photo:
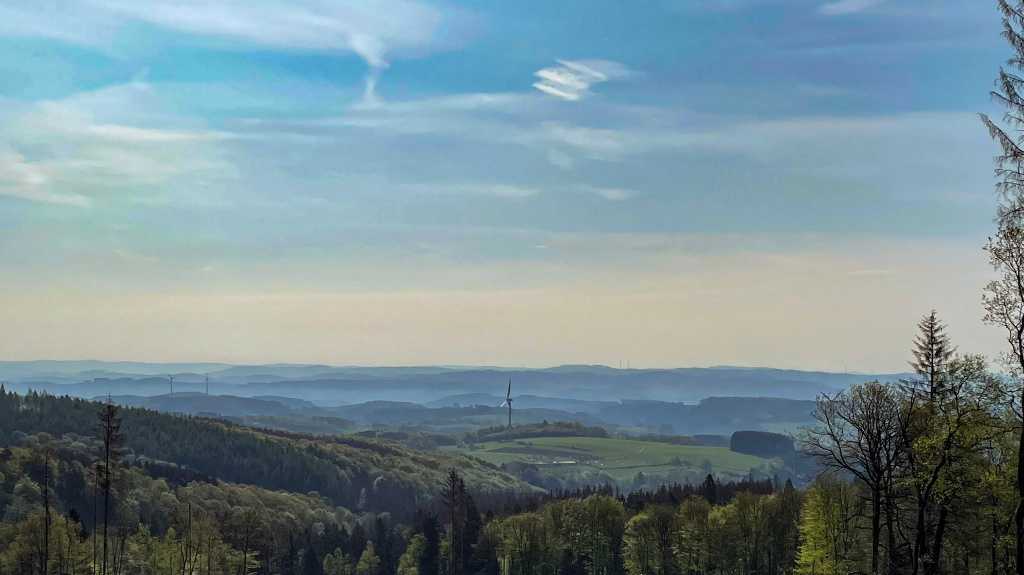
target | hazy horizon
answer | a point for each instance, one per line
(624, 366)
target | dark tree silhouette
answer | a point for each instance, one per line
(106, 466)
(453, 498)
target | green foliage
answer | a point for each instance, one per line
(829, 529)
(409, 562)
(337, 563)
(545, 429)
(368, 561)
(394, 477)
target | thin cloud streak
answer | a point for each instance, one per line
(571, 80)
(847, 7)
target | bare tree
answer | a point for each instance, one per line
(860, 431)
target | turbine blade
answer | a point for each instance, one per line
(503, 404)
(509, 392)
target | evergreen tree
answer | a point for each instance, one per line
(709, 490)
(432, 544)
(106, 466)
(453, 498)
(311, 564)
(932, 351)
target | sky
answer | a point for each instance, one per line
(783, 183)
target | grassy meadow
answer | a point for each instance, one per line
(621, 459)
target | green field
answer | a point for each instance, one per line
(621, 459)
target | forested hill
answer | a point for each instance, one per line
(356, 473)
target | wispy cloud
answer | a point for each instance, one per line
(88, 148)
(132, 257)
(611, 194)
(872, 272)
(571, 80)
(845, 7)
(498, 190)
(31, 181)
(372, 29)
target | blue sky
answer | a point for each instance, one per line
(572, 181)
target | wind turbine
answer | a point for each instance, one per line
(171, 377)
(508, 402)
(207, 385)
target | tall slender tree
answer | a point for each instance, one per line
(453, 497)
(110, 456)
(46, 450)
(1004, 302)
(932, 350)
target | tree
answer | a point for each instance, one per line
(828, 533)
(1004, 302)
(409, 562)
(709, 490)
(453, 498)
(931, 352)
(947, 453)
(691, 546)
(862, 431)
(1004, 307)
(648, 541)
(337, 563)
(112, 439)
(368, 561)
(1009, 85)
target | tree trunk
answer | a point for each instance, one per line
(995, 539)
(1018, 514)
(106, 503)
(936, 551)
(876, 528)
(95, 520)
(46, 510)
(919, 536)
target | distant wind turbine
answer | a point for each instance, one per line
(171, 378)
(508, 402)
(207, 385)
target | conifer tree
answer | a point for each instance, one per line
(106, 467)
(932, 350)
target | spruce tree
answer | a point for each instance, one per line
(106, 467)
(931, 352)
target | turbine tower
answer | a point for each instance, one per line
(171, 378)
(508, 402)
(207, 385)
